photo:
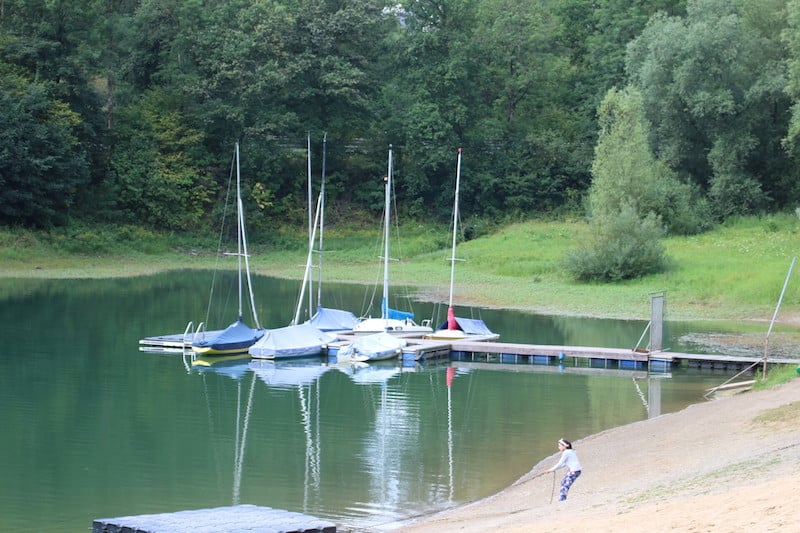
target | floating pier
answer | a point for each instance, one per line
(478, 349)
(239, 518)
(486, 348)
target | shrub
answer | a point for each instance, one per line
(620, 247)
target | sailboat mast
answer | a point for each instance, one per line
(243, 247)
(321, 217)
(307, 272)
(386, 208)
(239, 227)
(455, 230)
(451, 315)
(311, 226)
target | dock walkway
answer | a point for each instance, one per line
(420, 350)
(238, 518)
(487, 348)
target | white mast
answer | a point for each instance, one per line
(387, 207)
(321, 218)
(243, 247)
(451, 319)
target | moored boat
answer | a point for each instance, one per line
(239, 336)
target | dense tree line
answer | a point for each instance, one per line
(126, 111)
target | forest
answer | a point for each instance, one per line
(127, 111)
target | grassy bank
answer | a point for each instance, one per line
(736, 271)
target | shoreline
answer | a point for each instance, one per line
(714, 466)
(425, 292)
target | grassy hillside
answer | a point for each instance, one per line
(734, 272)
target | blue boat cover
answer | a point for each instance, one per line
(237, 336)
(470, 326)
(302, 340)
(333, 319)
(394, 314)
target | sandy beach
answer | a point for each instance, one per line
(726, 465)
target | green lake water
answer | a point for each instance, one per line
(94, 428)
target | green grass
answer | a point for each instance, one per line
(777, 375)
(734, 272)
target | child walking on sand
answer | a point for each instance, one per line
(570, 460)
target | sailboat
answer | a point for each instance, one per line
(238, 337)
(459, 328)
(375, 347)
(307, 339)
(326, 319)
(391, 321)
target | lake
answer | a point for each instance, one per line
(95, 428)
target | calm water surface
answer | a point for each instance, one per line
(94, 428)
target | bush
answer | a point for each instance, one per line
(621, 247)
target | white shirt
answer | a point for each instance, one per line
(569, 459)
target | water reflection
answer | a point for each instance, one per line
(93, 427)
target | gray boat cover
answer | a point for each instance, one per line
(471, 326)
(326, 319)
(302, 340)
(374, 347)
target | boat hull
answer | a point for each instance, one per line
(370, 326)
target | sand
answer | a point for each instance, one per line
(730, 464)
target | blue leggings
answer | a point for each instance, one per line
(567, 482)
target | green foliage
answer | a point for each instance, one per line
(713, 88)
(520, 265)
(623, 246)
(96, 240)
(626, 173)
(146, 99)
(42, 162)
(791, 37)
(157, 168)
(776, 375)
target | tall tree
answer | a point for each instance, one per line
(625, 173)
(52, 109)
(430, 94)
(713, 89)
(791, 38)
(528, 117)
(42, 165)
(592, 36)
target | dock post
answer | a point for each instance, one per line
(656, 320)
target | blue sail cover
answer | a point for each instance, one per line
(470, 326)
(394, 314)
(333, 319)
(302, 340)
(237, 337)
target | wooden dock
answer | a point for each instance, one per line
(242, 518)
(488, 349)
(421, 350)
